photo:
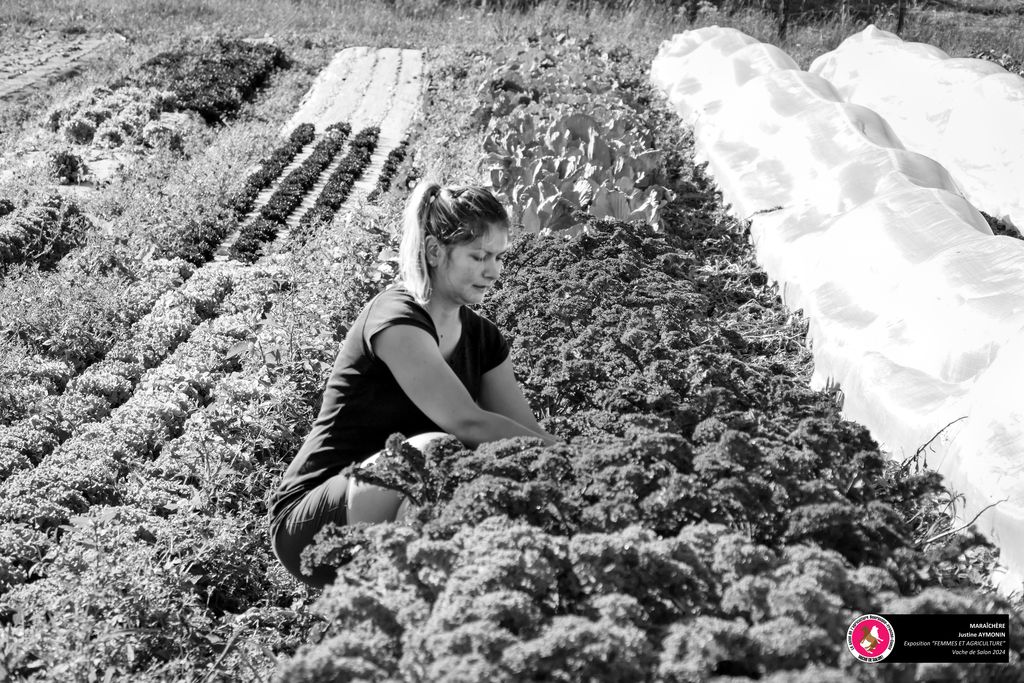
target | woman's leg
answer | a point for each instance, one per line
(338, 500)
(323, 505)
(373, 504)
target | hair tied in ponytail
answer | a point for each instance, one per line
(464, 214)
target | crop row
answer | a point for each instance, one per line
(60, 329)
(243, 202)
(107, 384)
(573, 155)
(42, 233)
(178, 564)
(289, 195)
(212, 77)
(197, 241)
(338, 186)
(387, 172)
(297, 184)
(91, 467)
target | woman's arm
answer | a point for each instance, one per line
(416, 363)
(500, 393)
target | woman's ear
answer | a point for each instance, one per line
(433, 251)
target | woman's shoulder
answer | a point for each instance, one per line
(395, 303)
(395, 297)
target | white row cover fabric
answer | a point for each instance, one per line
(968, 114)
(915, 309)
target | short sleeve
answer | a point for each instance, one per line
(394, 307)
(496, 348)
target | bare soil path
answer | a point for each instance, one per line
(48, 57)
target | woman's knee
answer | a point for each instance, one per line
(370, 504)
(374, 504)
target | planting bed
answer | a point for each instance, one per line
(178, 431)
(42, 58)
(705, 499)
(212, 77)
(701, 478)
(92, 137)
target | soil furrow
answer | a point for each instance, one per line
(53, 63)
(404, 108)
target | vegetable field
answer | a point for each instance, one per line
(188, 226)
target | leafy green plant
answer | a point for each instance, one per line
(212, 77)
(288, 195)
(339, 185)
(42, 233)
(65, 166)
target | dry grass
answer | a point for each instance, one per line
(317, 28)
(323, 26)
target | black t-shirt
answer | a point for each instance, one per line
(363, 403)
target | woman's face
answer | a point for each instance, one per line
(467, 271)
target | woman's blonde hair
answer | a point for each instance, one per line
(452, 215)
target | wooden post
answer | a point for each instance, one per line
(901, 13)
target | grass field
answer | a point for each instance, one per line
(151, 396)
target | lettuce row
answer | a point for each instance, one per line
(339, 185)
(105, 385)
(197, 241)
(42, 233)
(288, 195)
(387, 172)
(91, 467)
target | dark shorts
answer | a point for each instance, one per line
(296, 528)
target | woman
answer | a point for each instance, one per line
(418, 361)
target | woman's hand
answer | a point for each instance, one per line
(415, 361)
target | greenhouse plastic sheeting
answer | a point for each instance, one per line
(915, 309)
(966, 113)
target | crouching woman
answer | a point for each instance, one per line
(418, 360)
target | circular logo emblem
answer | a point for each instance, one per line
(870, 638)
